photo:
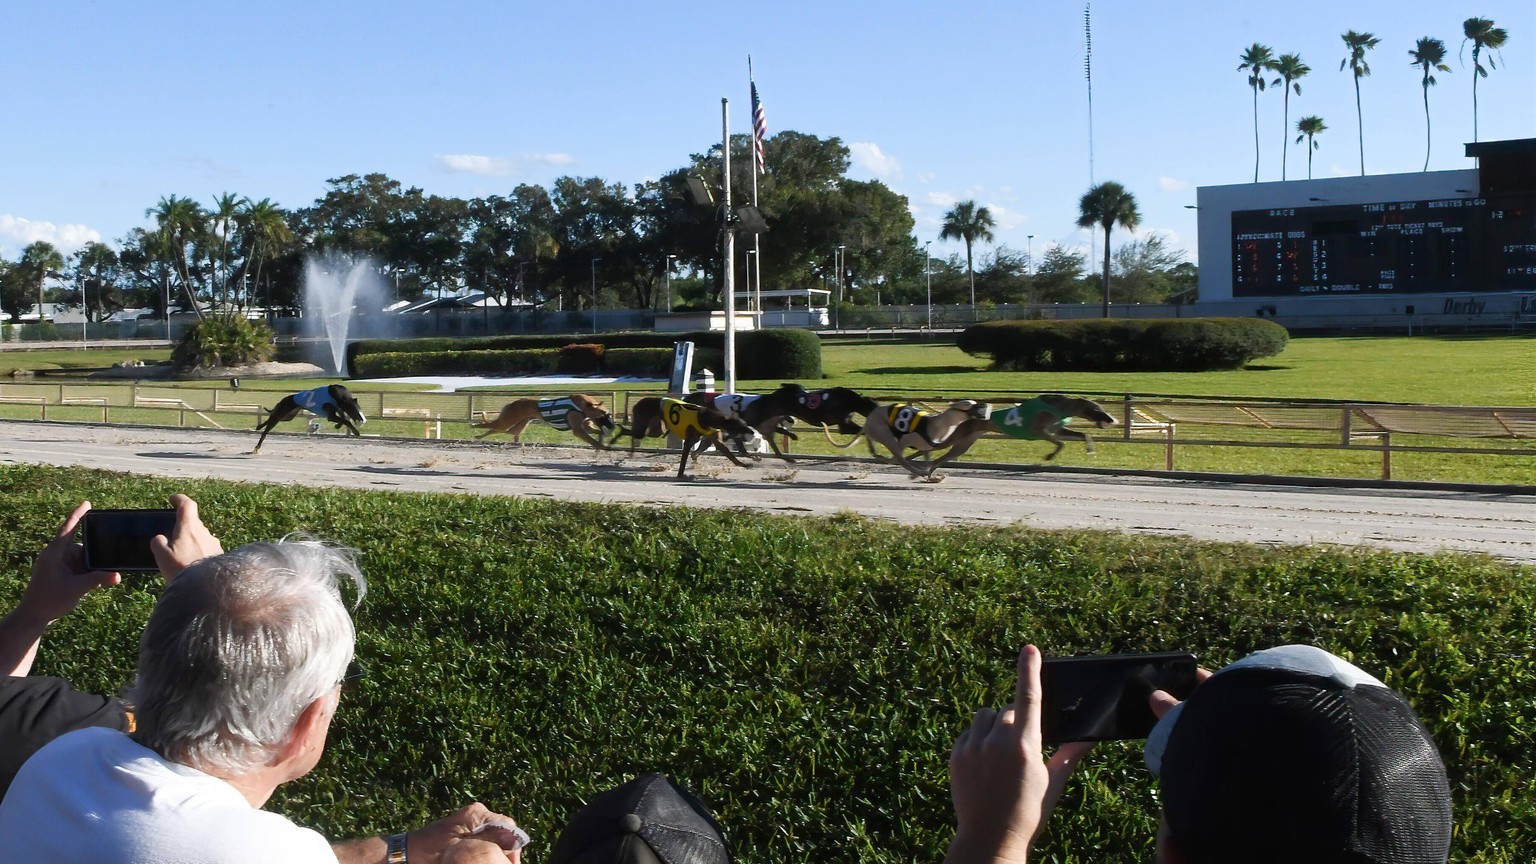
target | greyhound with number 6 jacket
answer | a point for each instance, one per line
(655, 416)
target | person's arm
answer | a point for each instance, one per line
(432, 844)
(59, 580)
(1002, 785)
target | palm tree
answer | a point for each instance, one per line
(38, 261)
(970, 223)
(1482, 34)
(1290, 69)
(1107, 205)
(1358, 44)
(181, 221)
(1257, 60)
(265, 231)
(1428, 55)
(1310, 128)
(226, 207)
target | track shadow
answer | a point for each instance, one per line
(172, 454)
(922, 370)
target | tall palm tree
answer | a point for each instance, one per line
(222, 222)
(1482, 34)
(1358, 44)
(38, 261)
(180, 221)
(1257, 60)
(1291, 70)
(1428, 55)
(965, 221)
(265, 232)
(1107, 205)
(1310, 128)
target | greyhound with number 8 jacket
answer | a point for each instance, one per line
(655, 416)
(333, 402)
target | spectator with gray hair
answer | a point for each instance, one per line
(239, 675)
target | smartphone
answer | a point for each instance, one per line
(119, 539)
(1104, 698)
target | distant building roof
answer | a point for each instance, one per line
(1502, 148)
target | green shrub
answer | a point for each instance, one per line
(1124, 345)
(638, 362)
(790, 354)
(760, 354)
(43, 331)
(223, 341)
(581, 359)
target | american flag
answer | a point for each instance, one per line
(759, 129)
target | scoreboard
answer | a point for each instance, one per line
(1404, 247)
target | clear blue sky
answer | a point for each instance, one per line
(110, 106)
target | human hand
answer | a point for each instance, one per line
(476, 852)
(470, 822)
(59, 575)
(189, 543)
(1002, 786)
(1162, 701)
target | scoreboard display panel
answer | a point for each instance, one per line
(1403, 247)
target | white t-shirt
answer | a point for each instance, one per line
(96, 797)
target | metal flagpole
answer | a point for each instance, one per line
(729, 262)
(757, 251)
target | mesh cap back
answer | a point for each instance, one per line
(1266, 762)
(649, 820)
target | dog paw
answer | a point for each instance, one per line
(934, 478)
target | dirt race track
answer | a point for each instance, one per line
(1503, 525)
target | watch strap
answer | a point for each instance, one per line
(396, 854)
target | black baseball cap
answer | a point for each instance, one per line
(1294, 754)
(649, 820)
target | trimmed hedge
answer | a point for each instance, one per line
(640, 362)
(1125, 345)
(760, 354)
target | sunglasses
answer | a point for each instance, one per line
(353, 677)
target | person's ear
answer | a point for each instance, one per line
(309, 729)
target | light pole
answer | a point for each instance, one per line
(167, 308)
(928, 276)
(751, 260)
(837, 260)
(521, 297)
(1029, 268)
(594, 293)
(670, 258)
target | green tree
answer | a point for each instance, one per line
(1358, 44)
(1257, 60)
(1059, 276)
(92, 273)
(1107, 205)
(265, 233)
(1149, 270)
(1310, 127)
(182, 228)
(1291, 70)
(968, 222)
(1482, 34)
(1428, 55)
(39, 262)
(221, 227)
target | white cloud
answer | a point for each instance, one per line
(1007, 219)
(941, 199)
(925, 177)
(16, 232)
(872, 159)
(1172, 184)
(1337, 170)
(486, 166)
(548, 158)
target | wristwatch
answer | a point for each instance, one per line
(396, 853)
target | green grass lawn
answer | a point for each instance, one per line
(807, 676)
